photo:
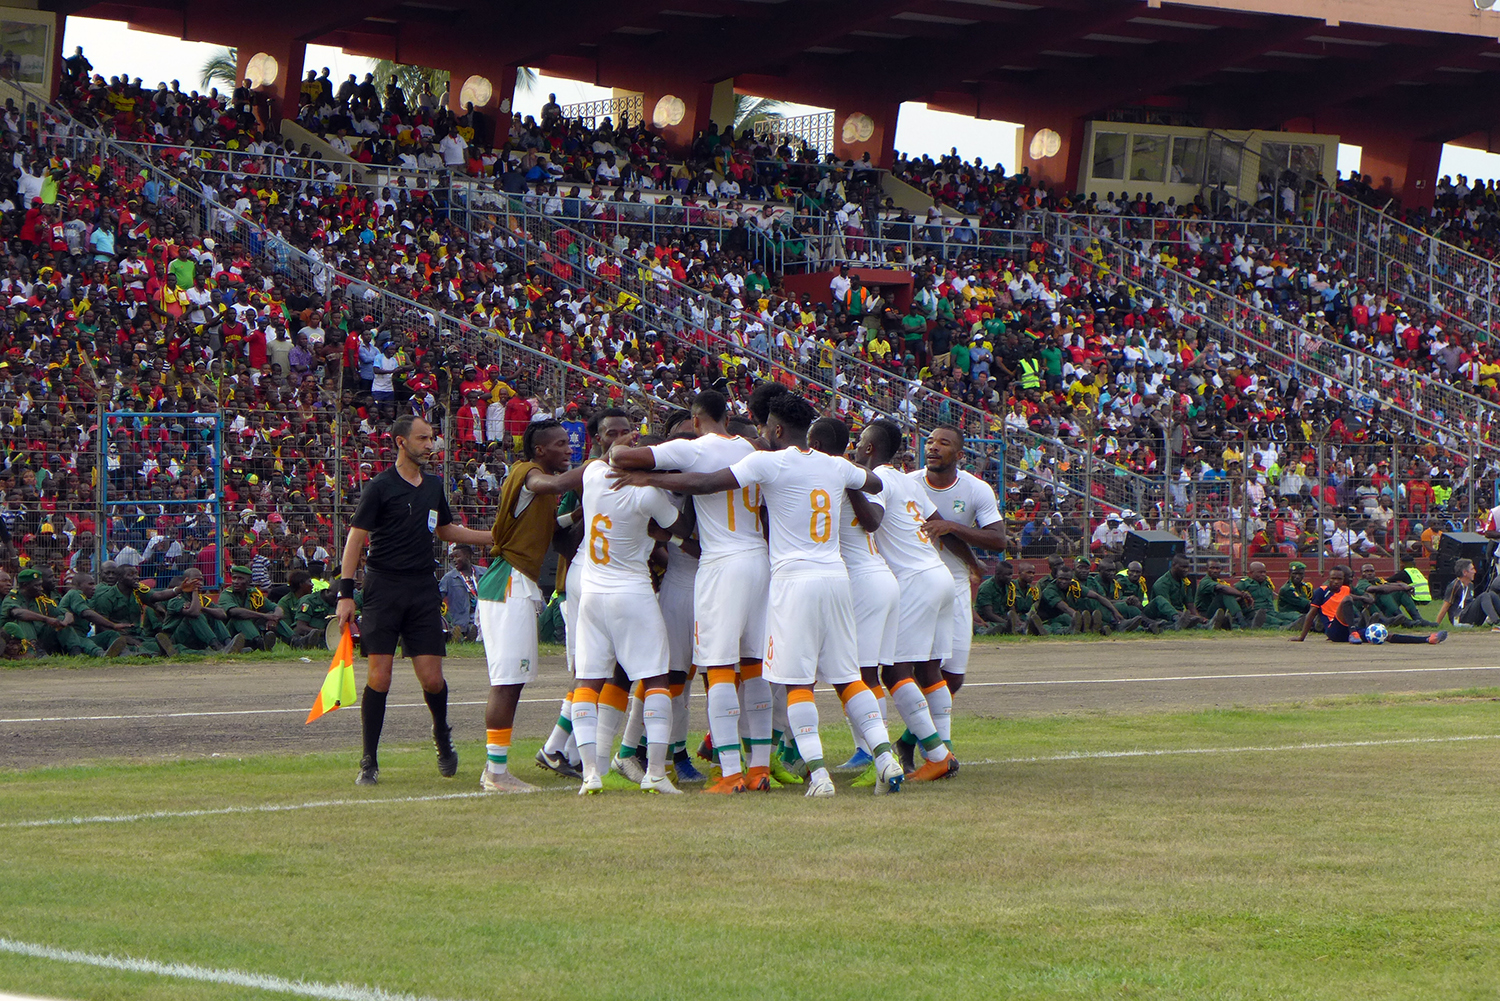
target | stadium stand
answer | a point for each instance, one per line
(1226, 375)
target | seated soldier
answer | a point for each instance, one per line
(34, 619)
(290, 628)
(249, 612)
(1099, 590)
(123, 601)
(314, 611)
(1223, 604)
(1295, 595)
(1172, 596)
(996, 602)
(1394, 604)
(1060, 607)
(78, 602)
(1134, 593)
(1339, 606)
(193, 623)
(1263, 599)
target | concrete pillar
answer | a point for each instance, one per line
(499, 81)
(1052, 148)
(866, 127)
(721, 107)
(278, 98)
(1401, 166)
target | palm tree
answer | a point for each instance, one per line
(221, 69)
(409, 78)
(526, 79)
(749, 110)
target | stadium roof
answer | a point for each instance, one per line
(1428, 69)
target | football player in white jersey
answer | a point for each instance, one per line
(925, 631)
(969, 513)
(810, 616)
(619, 620)
(730, 590)
(872, 586)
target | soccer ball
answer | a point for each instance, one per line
(1376, 633)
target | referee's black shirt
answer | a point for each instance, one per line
(401, 520)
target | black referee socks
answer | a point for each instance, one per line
(437, 702)
(372, 716)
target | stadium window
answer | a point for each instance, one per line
(1109, 156)
(1187, 160)
(1274, 157)
(1148, 158)
(1305, 159)
(1224, 162)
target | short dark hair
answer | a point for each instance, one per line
(674, 420)
(949, 427)
(402, 426)
(600, 416)
(793, 411)
(829, 434)
(887, 439)
(297, 578)
(711, 404)
(761, 397)
(535, 428)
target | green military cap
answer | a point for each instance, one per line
(1296, 565)
(237, 569)
(26, 576)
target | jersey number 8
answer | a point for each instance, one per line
(820, 525)
(598, 542)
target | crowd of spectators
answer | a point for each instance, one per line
(118, 302)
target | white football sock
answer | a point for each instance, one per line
(940, 704)
(724, 719)
(802, 724)
(656, 711)
(557, 740)
(611, 720)
(586, 730)
(630, 738)
(756, 694)
(864, 718)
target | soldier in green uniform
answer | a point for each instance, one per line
(1060, 609)
(249, 612)
(1134, 592)
(299, 586)
(1099, 593)
(30, 616)
(996, 601)
(1263, 597)
(1394, 604)
(193, 623)
(1296, 594)
(121, 602)
(1221, 603)
(1172, 596)
(78, 602)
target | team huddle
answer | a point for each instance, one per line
(786, 565)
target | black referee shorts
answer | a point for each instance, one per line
(404, 609)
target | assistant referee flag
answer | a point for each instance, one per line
(338, 684)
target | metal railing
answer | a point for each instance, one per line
(815, 131)
(619, 110)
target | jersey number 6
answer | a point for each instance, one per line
(598, 542)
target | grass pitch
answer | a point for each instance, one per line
(1224, 854)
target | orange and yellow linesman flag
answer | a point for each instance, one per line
(338, 685)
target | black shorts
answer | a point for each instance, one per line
(405, 609)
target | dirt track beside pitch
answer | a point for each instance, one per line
(147, 712)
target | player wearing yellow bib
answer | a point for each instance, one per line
(810, 615)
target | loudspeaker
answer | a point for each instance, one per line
(1455, 546)
(1154, 551)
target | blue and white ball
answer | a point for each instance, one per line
(1376, 633)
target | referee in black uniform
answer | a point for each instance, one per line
(399, 513)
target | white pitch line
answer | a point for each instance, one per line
(1274, 748)
(1068, 756)
(187, 971)
(822, 691)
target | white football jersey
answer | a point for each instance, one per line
(857, 546)
(968, 501)
(615, 546)
(902, 539)
(804, 495)
(728, 522)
